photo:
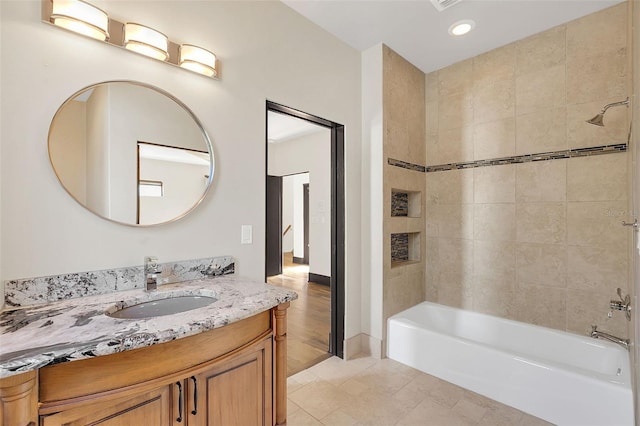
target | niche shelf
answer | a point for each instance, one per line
(405, 248)
(406, 203)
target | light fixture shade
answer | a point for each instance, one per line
(197, 59)
(80, 17)
(146, 41)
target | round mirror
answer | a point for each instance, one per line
(131, 153)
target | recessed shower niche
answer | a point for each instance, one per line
(405, 248)
(406, 203)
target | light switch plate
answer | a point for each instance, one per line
(246, 234)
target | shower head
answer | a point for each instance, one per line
(598, 120)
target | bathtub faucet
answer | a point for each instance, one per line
(602, 335)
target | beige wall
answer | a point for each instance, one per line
(312, 154)
(403, 135)
(538, 242)
(266, 51)
(97, 146)
(68, 149)
(182, 185)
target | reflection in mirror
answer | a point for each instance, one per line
(169, 179)
(110, 138)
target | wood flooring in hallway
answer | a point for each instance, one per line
(308, 318)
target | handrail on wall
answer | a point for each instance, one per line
(286, 230)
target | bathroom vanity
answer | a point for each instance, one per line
(223, 364)
(68, 357)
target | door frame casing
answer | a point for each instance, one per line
(337, 285)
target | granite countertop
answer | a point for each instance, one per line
(70, 330)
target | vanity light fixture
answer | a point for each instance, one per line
(197, 59)
(146, 41)
(80, 17)
(83, 18)
(461, 27)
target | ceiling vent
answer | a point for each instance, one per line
(443, 4)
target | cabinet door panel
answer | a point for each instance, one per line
(236, 392)
(235, 396)
(151, 408)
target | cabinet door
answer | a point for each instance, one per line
(151, 408)
(236, 392)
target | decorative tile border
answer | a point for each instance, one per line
(405, 165)
(516, 159)
(31, 291)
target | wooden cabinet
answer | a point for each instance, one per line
(228, 376)
(148, 408)
(237, 391)
(19, 399)
(233, 391)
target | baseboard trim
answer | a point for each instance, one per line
(299, 260)
(320, 279)
(352, 347)
(374, 346)
(363, 345)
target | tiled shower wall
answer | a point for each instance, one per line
(539, 242)
(403, 138)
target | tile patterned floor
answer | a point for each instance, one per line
(366, 391)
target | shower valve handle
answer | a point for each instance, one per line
(624, 304)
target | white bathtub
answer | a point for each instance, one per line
(560, 377)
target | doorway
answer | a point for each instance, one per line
(327, 213)
(305, 219)
(273, 255)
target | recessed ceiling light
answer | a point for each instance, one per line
(461, 27)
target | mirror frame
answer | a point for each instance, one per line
(188, 110)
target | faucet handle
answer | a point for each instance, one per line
(151, 264)
(623, 305)
(624, 299)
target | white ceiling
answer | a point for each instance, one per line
(282, 127)
(175, 155)
(419, 33)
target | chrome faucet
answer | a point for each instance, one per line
(151, 271)
(602, 335)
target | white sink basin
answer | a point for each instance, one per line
(168, 306)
